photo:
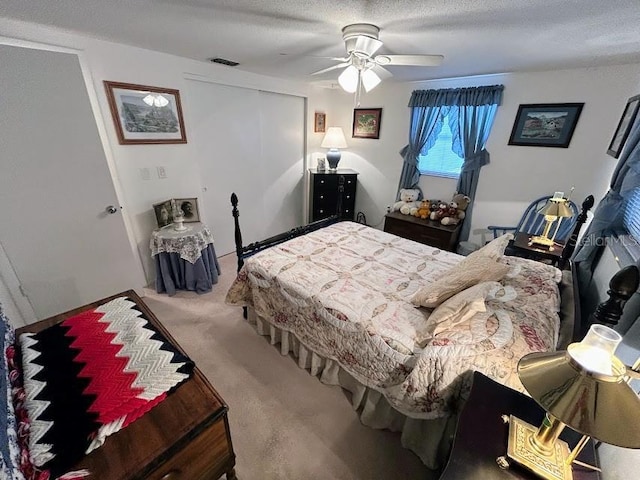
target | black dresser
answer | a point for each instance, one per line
(327, 188)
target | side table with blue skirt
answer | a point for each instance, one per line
(185, 260)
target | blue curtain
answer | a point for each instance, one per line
(426, 124)
(470, 122)
(471, 113)
(608, 217)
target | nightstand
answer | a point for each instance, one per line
(521, 247)
(481, 435)
(326, 192)
(429, 232)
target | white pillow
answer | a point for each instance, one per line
(495, 248)
(470, 271)
(462, 306)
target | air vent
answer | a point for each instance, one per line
(224, 61)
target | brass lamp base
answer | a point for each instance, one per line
(521, 449)
(541, 240)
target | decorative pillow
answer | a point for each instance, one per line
(470, 271)
(92, 375)
(495, 248)
(462, 306)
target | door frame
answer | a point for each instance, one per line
(104, 140)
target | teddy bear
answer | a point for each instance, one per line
(424, 209)
(440, 212)
(456, 209)
(408, 204)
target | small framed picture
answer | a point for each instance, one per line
(189, 207)
(624, 126)
(320, 122)
(163, 213)
(545, 125)
(145, 115)
(366, 122)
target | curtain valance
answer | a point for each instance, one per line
(468, 96)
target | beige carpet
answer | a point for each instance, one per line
(285, 424)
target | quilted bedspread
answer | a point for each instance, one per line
(344, 292)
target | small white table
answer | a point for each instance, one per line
(185, 260)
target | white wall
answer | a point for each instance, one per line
(116, 62)
(516, 175)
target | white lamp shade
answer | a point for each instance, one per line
(334, 138)
(348, 79)
(370, 80)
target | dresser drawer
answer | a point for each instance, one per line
(204, 458)
(325, 183)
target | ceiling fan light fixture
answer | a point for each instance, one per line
(348, 79)
(370, 80)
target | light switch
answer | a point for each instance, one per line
(162, 173)
(145, 174)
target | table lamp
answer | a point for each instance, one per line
(555, 209)
(586, 388)
(333, 140)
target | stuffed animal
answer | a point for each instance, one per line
(456, 210)
(424, 209)
(408, 204)
(439, 212)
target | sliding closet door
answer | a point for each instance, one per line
(251, 143)
(65, 248)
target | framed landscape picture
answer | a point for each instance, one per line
(545, 125)
(366, 122)
(624, 126)
(145, 115)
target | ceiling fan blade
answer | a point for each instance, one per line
(366, 45)
(337, 59)
(335, 67)
(383, 73)
(410, 60)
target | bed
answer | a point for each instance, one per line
(338, 295)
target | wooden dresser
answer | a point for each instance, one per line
(185, 437)
(325, 193)
(429, 232)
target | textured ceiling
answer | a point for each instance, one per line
(475, 36)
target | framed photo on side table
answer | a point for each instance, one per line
(624, 127)
(189, 207)
(145, 115)
(545, 124)
(366, 122)
(162, 211)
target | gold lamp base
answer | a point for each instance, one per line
(540, 240)
(551, 465)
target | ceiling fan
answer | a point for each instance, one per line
(362, 69)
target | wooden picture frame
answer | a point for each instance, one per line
(145, 115)
(624, 126)
(320, 122)
(162, 211)
(545, 124)
(190, 210)
(366, 122)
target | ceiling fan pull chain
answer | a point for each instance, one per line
(358, 89)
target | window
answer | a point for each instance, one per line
(631, 218)
(440, 160)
